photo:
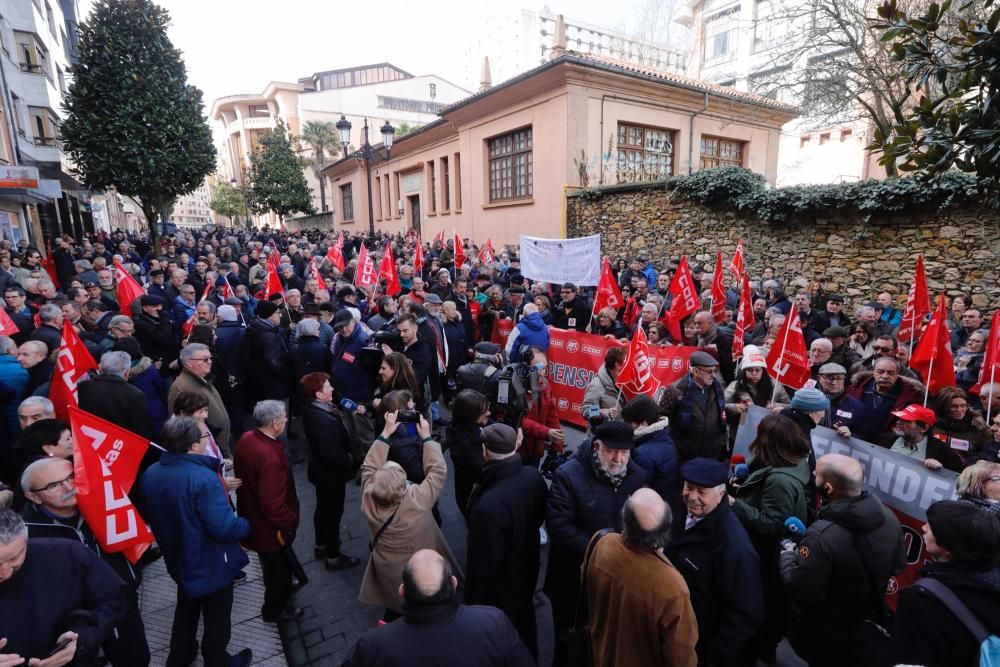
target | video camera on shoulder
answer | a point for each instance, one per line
(390, 338)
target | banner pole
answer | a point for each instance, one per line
(784, 346)
(989, 404)
(930, 374)
(913, 330)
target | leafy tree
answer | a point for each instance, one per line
(278, 183)
(227, 200)
(133, 122)
(952, 56)
(405, 128)
(320, 135)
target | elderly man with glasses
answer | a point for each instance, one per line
(196, 366)
(52, 512)
(184, 305)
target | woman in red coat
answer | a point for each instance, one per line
(541, 422)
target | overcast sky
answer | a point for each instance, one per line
(237, 46)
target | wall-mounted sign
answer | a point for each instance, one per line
(414, 106)
(18, 177)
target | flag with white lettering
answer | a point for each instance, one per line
(685, 299)
(745, 319)
(335, 257)
(365, 274)
(787, 360)
(636, 376)
(7, 326)
(106, 461)
(387, 271)
(127, 289)
(918, 305)
(608, 295)
(736, 265)
(72, 363)
(315, 275)
(486, 254)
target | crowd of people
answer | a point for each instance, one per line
(656, 550)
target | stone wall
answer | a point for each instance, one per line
(961, 248)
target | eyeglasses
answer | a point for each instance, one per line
(205, 359)
(53, 485)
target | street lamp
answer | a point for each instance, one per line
(368, 154)
(246, 205)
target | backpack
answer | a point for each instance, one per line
(989, 645)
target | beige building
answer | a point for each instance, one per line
(191, 210)
(496, 164)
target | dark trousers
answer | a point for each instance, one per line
(277, 575)
(127, 646)
(326, 518)
(215, 610)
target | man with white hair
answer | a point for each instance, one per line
(50, 331)
(196, 363)
(52, 512)
(41, 582)
(531, 331)
(33, 409)
(108, 395)
(33, 356)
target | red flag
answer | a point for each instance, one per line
(127, 290)
(106, 461)
(636, 376)
(745, 319)
(608, 295)
(365, 274)
(486, 254)
(340, 241)
(685, 301)
(72, 363)
(50, 268)
(736, 265)
(274, 259)
(207, 292)
(189, 324)
(990, 371)
(227, 290)
(718, 291)
(459, 252)
(787, 360)
(272, 284)
(440, 236)
(314, 273)
(335, 257)
(387, 270)
(932, 356)
(7, 326)
(918, 305)
(418, 257)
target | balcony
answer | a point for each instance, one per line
(259, 123)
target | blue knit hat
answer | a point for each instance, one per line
(810, 399)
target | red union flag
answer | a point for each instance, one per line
(440, 236)
(387, 270)
(686, 301)
(335, 257)
(486, 254)
(7, 326)
(932, 356)
(106, 461)
(608, 295)
(745, 319)
(718, 291)
(72, 363)
(272, 284)
(918, 305)
(637, 375)
(127, 290)
(418, 257)
(990, 370)
(736, 265)
(787, 361)
(365, 274)
(459, 252)
(314, 273)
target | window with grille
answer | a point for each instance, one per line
(510, 166)
(644, 153)
(718, 152)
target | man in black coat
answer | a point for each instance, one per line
(310, 355)
(436, 630)
(52, 512)
(586, 496)
(108, 395)
(506, 509)
(712, 551)
(837, 576)
(154, 332)
(573, 312)
(709, 336)
(47, 580)
(266, 356)
(419, 351)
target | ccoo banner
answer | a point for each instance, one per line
(902, 483)
(558, 261)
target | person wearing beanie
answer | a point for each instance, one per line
(808, 408)
(269, 373)
(506, 510)
(965, 544)
(752, 386)
(844, 409)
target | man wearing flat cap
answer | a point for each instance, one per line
(154, 332)
(586, 496)
(842, 353)
(713, 552)
(834, 315)
(506, 509)
(696, 407)
(844, 410)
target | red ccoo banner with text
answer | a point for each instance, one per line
(574, 359)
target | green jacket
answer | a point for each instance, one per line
(768, 497)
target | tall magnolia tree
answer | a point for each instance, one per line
(133, 122)
(278, 183)
(320, 135)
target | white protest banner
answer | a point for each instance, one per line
(902, 483)
(558, 261)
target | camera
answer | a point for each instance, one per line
(408, 417)
(552, 462)
(390, 338)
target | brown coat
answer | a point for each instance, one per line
(640, 608)
(412, 529)
(218, 418)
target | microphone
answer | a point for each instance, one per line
(348, 404)
(795, 529)
(741, 471)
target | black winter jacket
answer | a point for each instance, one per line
(505, 513)
(113, 399)
(465, 442)
(266, 361)
(330, 459)
(156, 337)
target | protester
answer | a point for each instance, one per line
(962, 431)
(469, 414)
(881, 392)
(603, 398)
(753, 386)
(108, 395)
(843, 409)
(541, 425)
(654, 450)
(695, 406)
(712, 551)
(196, 367)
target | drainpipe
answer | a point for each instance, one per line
(691, 134)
